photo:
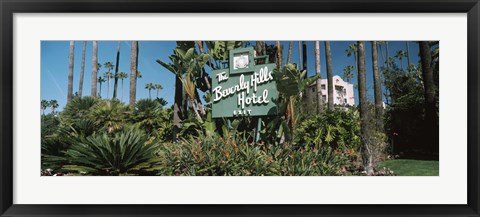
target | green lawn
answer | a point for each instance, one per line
(405, 167)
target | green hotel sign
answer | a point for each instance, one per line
(244, 89)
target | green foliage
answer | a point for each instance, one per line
(338, 129)
(79, 108)
(127, 152)
(155, 120)
(109, 115)
(234, 155)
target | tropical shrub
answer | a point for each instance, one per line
(235, 155)
(339, 128)
(125, 152)
(155, 120)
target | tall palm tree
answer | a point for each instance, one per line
(82, 70)
(377, 86)
(347, 73)
(304, 56)
(279, 55)
(362, 92)
(400, 55)
(149, 87)
(408, 53)
(54, 105)
(289, 56)
(108, 75)
(44, 104)
(70, 72)
(328, 57)
(319, 78)
(100, 81)
(122, 75)
(431, 118)
(115, 84)
(133, 74)
(158, 87)
(94, 69)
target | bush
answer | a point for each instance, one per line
(127, 152)
(234, 155)
(339, 129)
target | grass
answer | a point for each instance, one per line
(406, 167)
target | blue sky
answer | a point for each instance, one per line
(54, 65)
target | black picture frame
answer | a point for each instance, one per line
(9, 7)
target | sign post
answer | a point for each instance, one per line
(244, 89)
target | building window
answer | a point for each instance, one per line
(324, 98)
(323, 86)
(313, 89)
(345, 101)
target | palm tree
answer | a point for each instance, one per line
(44, 104)
(82, 70)
(122, 75)
(115, 84)
(319, 78)
(431, 118)
(108, 75)
(100, 81)
(70, 72)
(94, 69)
(347, 73)
(408, 53)
(400, 55)
(377, 86)
(328, 57)
(149, 86)
(133, 74)
(362, 92)
(289, 56)
(304, 58)
(279, 54)
(53, 104)
(158, 87)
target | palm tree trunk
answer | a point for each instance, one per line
(377, 86)
(319, 79)
(290, 46)
(121, 99)
(386, 55)
(362, 92)
(408, 54)
(279, 55)
(70, 72)
(431, 119)
(115, 83)
(108, 84)
(304, 49)
(82, 70)
(133, 74)
(328, 54)
(299, 54)
(177, 108)
(94, 69)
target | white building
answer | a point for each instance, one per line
(343, 92)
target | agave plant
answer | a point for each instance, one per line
(127, 152)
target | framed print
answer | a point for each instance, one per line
(199, 108)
